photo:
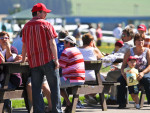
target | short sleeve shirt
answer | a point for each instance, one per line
(36, 36)
(131, 74)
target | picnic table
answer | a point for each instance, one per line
(5, 93)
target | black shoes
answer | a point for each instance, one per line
(68, 109)
(122, 106)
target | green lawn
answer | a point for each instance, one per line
(20, 103)
(106, 49)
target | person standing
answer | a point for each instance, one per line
(99, 35)
(117, 32)
(131, 79)
(92, 31)
(38, 37)
(77, 35)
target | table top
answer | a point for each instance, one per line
(15, 63)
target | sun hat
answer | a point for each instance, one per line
(40, 7)
(70, 39)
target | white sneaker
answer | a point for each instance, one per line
(137, 106)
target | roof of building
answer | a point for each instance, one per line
(27, 14)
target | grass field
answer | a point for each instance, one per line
(106, 49)
(111, 7)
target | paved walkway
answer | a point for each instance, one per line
(97, 109)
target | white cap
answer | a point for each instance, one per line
(70, 39)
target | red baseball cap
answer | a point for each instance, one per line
(141, 27)
(131, 58)
(119, 43)
(40, 7)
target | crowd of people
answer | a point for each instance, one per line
(55, 67)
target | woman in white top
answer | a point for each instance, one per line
(90, 52)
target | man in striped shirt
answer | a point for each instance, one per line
(39, 44)
(73, 70)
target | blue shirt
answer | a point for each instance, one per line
(60, 48)
(18, 44)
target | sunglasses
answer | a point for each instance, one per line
(4, 38)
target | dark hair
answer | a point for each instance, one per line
(87, 38)
(137, 37)
(71, 44)
(3, 33)
(62, 34)
(129, 32)
(35, 13)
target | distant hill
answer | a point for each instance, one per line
(58, 6)
(84, 7)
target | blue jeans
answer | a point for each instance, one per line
(66, 83)
(52, 76)
(122, 91)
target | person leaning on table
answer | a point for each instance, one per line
(8, 54)
(127, 38)
(143, 65)
(38, 37)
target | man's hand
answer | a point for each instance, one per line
(56, 64)
(18, 58)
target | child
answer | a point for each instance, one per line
(113, 75)
(118, 45)
(131, 78)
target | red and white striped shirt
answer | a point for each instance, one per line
(72, 63)
(147, 42)
(36, 35)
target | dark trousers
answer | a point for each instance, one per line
(122, 91)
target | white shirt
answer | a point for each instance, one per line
(117, 32)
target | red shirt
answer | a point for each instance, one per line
(147, 42)
(72, 64)
(36, 35)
